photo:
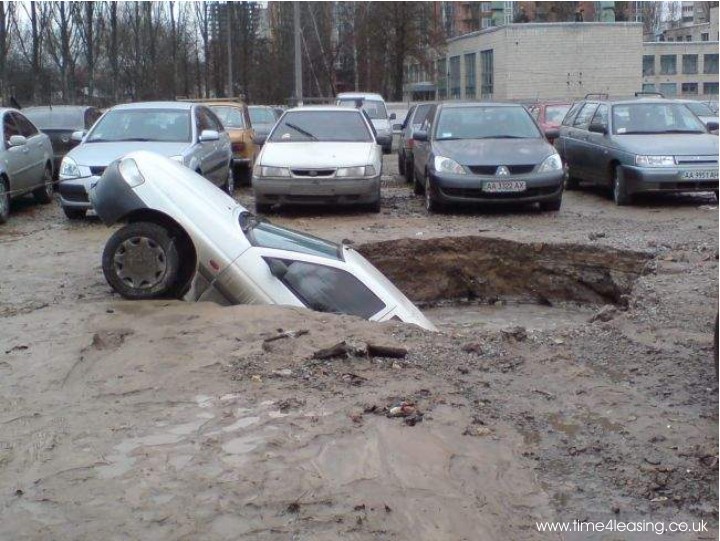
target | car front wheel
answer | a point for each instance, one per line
(229, 186)
(44, 193)
(140, 261)
(431, 204)
(620, 193)
(74, 214)
(4, 200)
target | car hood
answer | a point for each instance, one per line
(101, 154)
(317, 155)
(669, 144)
(494, 151)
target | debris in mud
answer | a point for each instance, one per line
(286, 334)
(290, 404)
(406, 410)
(517, 333)
(353, 379)
(473, 347)
(339, 350)
(478, 431)
(605, 314)
(598, 235)
(21, 347)
(105, 340)
(382, 350)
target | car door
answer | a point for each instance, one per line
(203, 150)
(597, 157)
(577, 143)
(17, 161)
(564, 141)
(421, 149)
(222, 151)
(36, 151)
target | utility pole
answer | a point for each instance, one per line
(298, 56)
(229, 51)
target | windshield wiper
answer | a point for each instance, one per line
(300, 130)
(134, 139)
(500, 137)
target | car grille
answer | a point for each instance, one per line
(313, 172)
(74, 193)
(97, 171)
(491, 169)
(476, 193)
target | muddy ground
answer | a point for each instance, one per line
(572, 379)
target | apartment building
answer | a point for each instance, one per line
(683, 69)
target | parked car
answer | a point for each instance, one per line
(59, 122)
(262, 118)
(703, 112)
(189, 133)
(635, 146)
(374, 106)
(320, 154)
(25, 162)
(236, 119)
(549, 116)
(485, 153)
(414, 119)
(186, 238)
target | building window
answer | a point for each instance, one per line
(455, 77)
(705, 36)
(688, 38)
(486, 70)
(470, 80)
(670, 39)
(710, 88)
(442, 79)
(486, 22)
(690, 64)
(648, 64)
(690, 88)
(648, 87)
(668, 89)
(710, 64)
(668, 64)
(485, 7)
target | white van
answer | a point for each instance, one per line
(374, 106)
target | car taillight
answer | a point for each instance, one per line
(411, 143)
(238, 147)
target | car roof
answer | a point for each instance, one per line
(324, 108)
(228, 103)
(59, 107)
(259, 107)
(358, 95)
(459, 105)
(179, 105)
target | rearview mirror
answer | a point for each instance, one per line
(598, 128)
(397, 128)
(552, 133)
(420, 135)
(17, 141)
(278, 268)
(77, 136)
(209, 135)
(393, 116)
(712, 125)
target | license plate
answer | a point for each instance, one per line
(505, 186)
(704, 174)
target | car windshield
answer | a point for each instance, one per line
(374, 108)
(49, 118)
(483, 122)
(328, 126)
(161, 125)
(554, 114)
(261, 115)
(700, 109)
(266, 235)
(649, 118)
(231, 117)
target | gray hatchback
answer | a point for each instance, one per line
(634, 146)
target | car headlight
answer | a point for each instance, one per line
(447, 165)
(69, 169)
(268, 171)
(655, 161)
(359, 171)
(551, 163)
(130, 172)
(179, 158)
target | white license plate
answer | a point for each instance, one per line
(504, 186)
(704, 174)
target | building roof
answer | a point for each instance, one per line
(536, 26)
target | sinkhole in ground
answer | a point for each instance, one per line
(466, 280)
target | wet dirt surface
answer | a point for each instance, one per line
(539, 399)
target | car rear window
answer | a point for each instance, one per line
(262, 115)
(266, 235)
(555, 113)
(158, 125)
(231, 117)
(336, 126)
(72, 119)
(482, 122)
(374, 108)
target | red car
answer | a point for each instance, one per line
(549, 115)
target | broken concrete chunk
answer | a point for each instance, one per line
(606, 313)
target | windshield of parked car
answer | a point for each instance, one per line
(700, 109)
(158, 125)
(47, 118)
(554, 114)
(483, 122)
(266, 235)
(231, 117)
(648, 118)
(374, 108)
(261, 115)
(328, 126)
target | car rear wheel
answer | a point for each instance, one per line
(4, 200)
(229, 186)
(418, 186)
(619, 188)
(262, 208)
(409, 171)
(431, 204)
(243, 174)
(44, 193)
(74, 214)
(140, 261)
(401, 164)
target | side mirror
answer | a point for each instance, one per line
(209, 135)
(278, 268)
(393, 116)
(598, 128)
(552, 133)
(397, 128)
(420, 135)
(259, 139)
(77, 136)
(17, 141)
(712, 125)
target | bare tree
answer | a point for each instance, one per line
(62, 45)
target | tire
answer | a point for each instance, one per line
(4, 200)
(572, 183)
(243, 175)
(387, 150)
(401, 164)
(431, 204)
(44, 194)
(418, 187)
(409, 171)
(553, 205)
(229, 186)
(619, 188)
(262, 208)
(74, 214)
(140, 261)
(375, 205)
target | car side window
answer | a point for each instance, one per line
(24, 126)
(201, 121)
(570, 116)
(214, 120)
(9, 128)
(582, 121)
(91, 116)
(535, 112)
(601, 116)
(427, 123)
(409, 116)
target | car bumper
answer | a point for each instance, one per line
(75, 193)
(449, 188)
(648, 179)
(316, 191)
